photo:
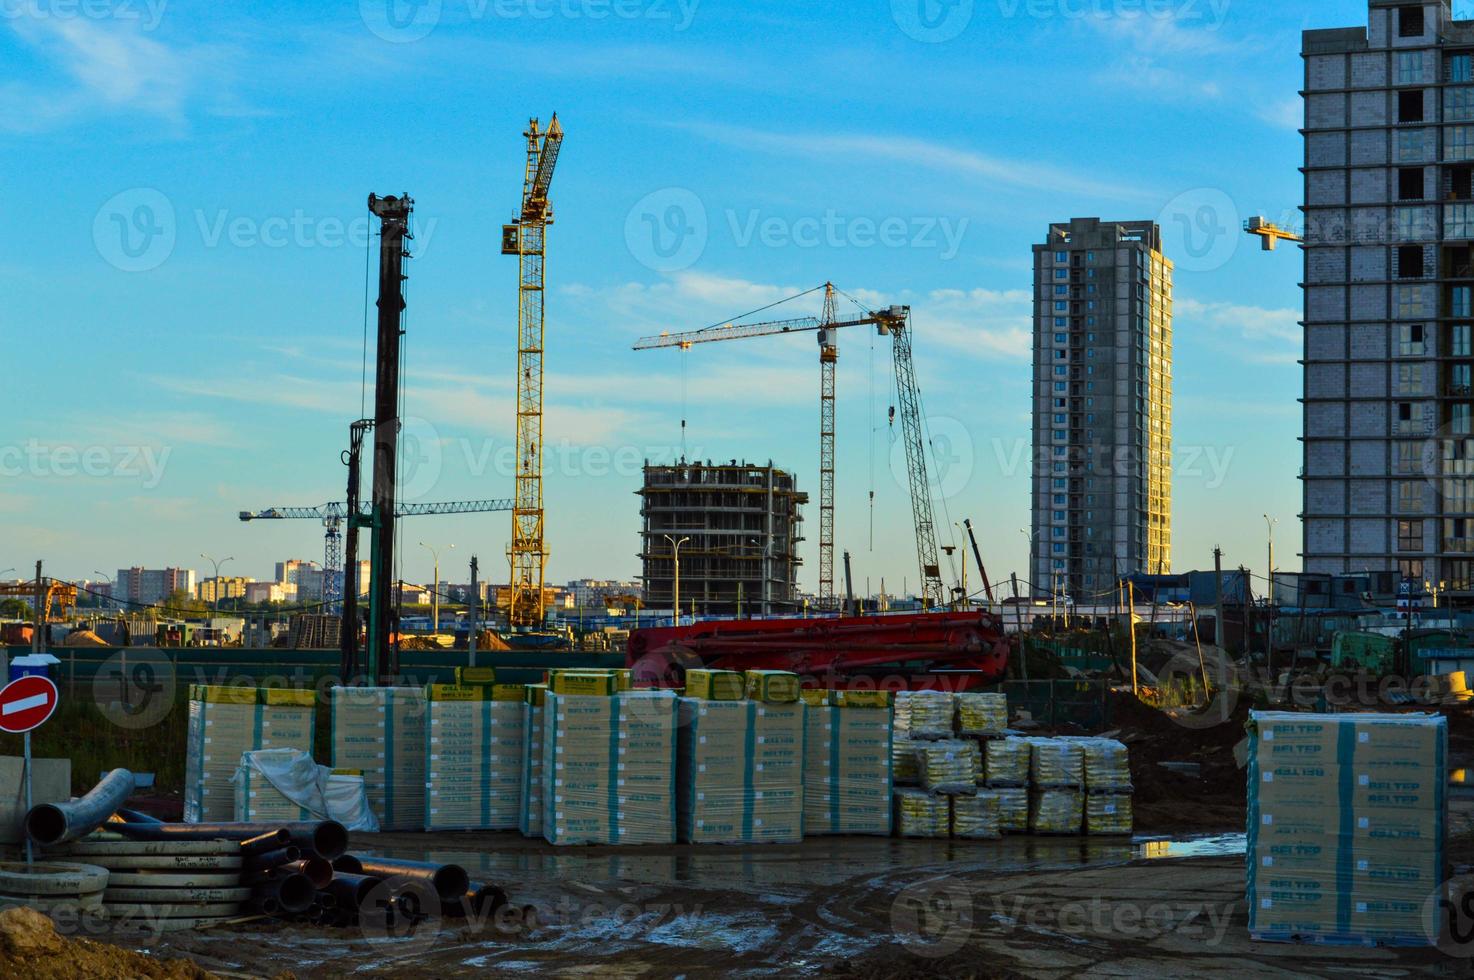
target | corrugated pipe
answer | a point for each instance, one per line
(326, 838)
(53, 823)
(449, 881)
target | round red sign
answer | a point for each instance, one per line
(26, 703)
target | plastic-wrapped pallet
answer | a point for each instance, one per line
(609, 767)
(982, 713)
(226, 722)
(1347, 824)
(259, 800)
(1107, 813)
(380, 731)
(740, 771)
(1013, 808)
(920, 814)
(1006, 761)
(1107, 765)
(1055, 811)
(530, 820)
(905, 768)
(950, 766)
(976, 817)
(1056, 762)
(473, 761)
(924, 714)
(847, 769)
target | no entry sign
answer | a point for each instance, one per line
(26, 703)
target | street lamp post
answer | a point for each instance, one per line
(675, 550)
(215, 596)
(109, 585)
(435, 590)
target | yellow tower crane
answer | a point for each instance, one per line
(1269, 233)
(524, 238)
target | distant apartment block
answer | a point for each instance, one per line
(1388, 477)
(265, 592)
(1102, 481)
(594, 591)
(737, 525)
(225, 587)
(151, 586)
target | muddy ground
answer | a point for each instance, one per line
(849, 907)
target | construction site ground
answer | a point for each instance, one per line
(857, 907)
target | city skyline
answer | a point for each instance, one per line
(231, 363)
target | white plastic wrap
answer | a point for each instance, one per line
(924, 714)
(285, 784)
(981, 713)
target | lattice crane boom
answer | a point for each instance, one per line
(527, 554)
(893, 321)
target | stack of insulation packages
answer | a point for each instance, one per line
(740, 765)
(608, 760)
(226, 722)
(1347, 823)
(937, 773)
(473, 752)
(1020, 785)
(847, 762)
(381, 733)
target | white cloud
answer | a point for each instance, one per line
(109, 65)
(1254, 323)
(1284, 113)
(1029, 174)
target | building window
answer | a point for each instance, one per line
(1410, 106)
(1410, 343)
(1061, 307)
(1410, 568)
(1409, 67)
(1061, 273)
(1456, 534)
(1460, 68)
(1459, 142)
(1411, 223)
(1409, 302)
(1459, 301)
(1409, 261)
(1458, 340)
(1061, 257)
(1410, 497)
(1409, 21)
(1458, 220)
(1409, 379)
(1409, 535)
(1458, 419)
(1410, 184)
(1458, 103)
(1060, 420)
(1404, 411)
(1060, 386)
(1410, 146)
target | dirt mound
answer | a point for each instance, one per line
(31, 947)
(1212, 798)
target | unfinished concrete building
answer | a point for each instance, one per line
(1389, 297)
(740, 523)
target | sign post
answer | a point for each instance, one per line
(25, 704)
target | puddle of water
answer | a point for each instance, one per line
(1218, 845)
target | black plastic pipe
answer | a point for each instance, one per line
(352, 890)
(450, 881)
(135, 816)
(327, 838)
(484, 900)
(348, 863)
(271, 860)
(292, 893)
(270, 841)
(53, 823)
(318, 871)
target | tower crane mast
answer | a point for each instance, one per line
(525, 238)
(894, 322)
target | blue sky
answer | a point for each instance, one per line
(184, 286)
